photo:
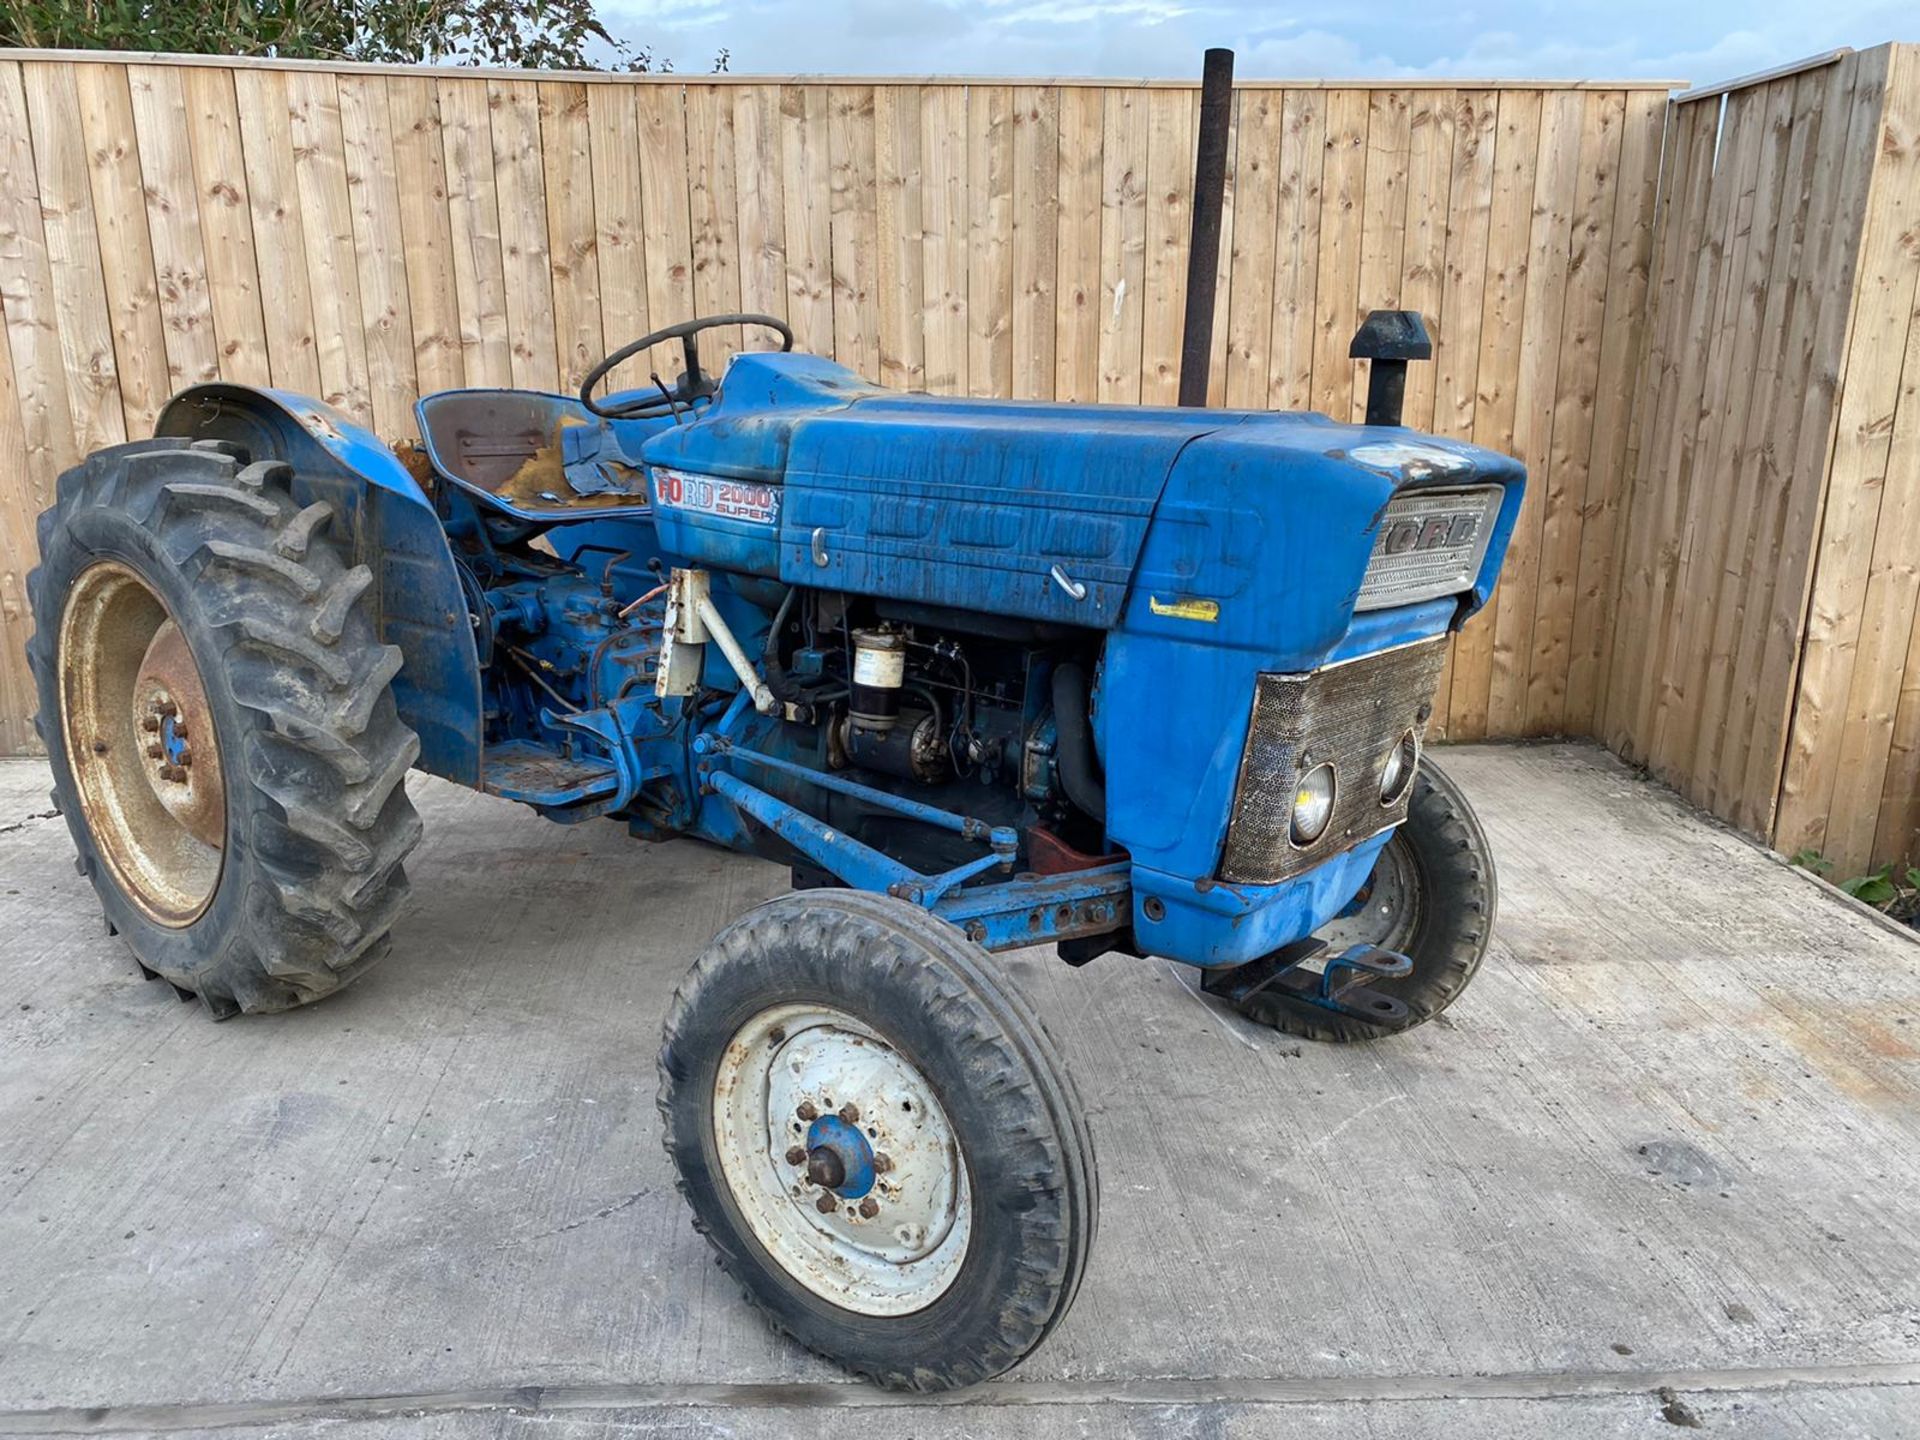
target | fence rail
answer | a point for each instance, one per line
(1630, 297)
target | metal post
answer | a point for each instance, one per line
(1209, 201)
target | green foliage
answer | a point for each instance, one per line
(1875, 889)
(521, 34)
(1811, 859)
(1898, 896)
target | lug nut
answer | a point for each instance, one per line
(150, 722)
(869, 1208)
(808, 1111)
(826, 1204)
(167, 707)
(796, 1155)
(850, 1113)
(882, 1162)
(156, 750)
(186, 758)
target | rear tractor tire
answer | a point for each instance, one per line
(1431, 897)
(216, 703)
(878, 1139)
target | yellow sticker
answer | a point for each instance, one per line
(1207, 610)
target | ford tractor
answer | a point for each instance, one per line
(986, 675)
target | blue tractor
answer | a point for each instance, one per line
(984, 674)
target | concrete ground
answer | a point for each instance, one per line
(1669, 1139)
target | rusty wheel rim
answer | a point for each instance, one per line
(140, 742)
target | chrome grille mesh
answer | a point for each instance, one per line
(1430, 543)
(1349, 714)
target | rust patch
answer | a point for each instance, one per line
(412, 456)
(169, 692)
(541, 482)
(508, 444)
(316, 419)
(1849, 1044)
(1050, 855)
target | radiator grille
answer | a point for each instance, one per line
(1431, 543)
(1350, 714)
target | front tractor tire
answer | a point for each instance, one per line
(878, 1140)
(215, 700)
(1431, 897)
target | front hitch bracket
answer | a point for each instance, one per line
(1340, 984)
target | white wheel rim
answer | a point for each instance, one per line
(1392, 906)
(799, 1080)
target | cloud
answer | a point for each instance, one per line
(1085, 12)
(1705, 41)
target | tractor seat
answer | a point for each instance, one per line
(533, 455)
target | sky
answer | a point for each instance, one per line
(1702, 42)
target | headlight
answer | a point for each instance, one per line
(1312, 804)
(1397, 774)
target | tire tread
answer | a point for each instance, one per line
(1010, 1058)
(321, 772)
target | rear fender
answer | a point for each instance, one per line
(390, 526)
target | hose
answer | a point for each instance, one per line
(784, 686)
(1079, 772)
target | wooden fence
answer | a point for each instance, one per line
(1765, 658)
(368, 234)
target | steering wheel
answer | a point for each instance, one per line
(694, 384)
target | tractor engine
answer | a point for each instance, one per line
(956, 710)
(960, 710)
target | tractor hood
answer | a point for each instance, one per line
(1098, 516)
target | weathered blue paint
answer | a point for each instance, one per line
(834, 851)
(173, 745)
(1210, 923)
(1039, 909)
(849, 1145)
(391, 527)
(974, 503)
(1004, 839)
(544, 793)
(284, 425)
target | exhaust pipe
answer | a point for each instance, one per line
(1209, 205)
(1388, 339)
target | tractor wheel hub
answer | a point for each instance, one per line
(842, 1159)
(171, 709)
(139, 741)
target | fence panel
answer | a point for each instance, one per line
(1764, 657)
